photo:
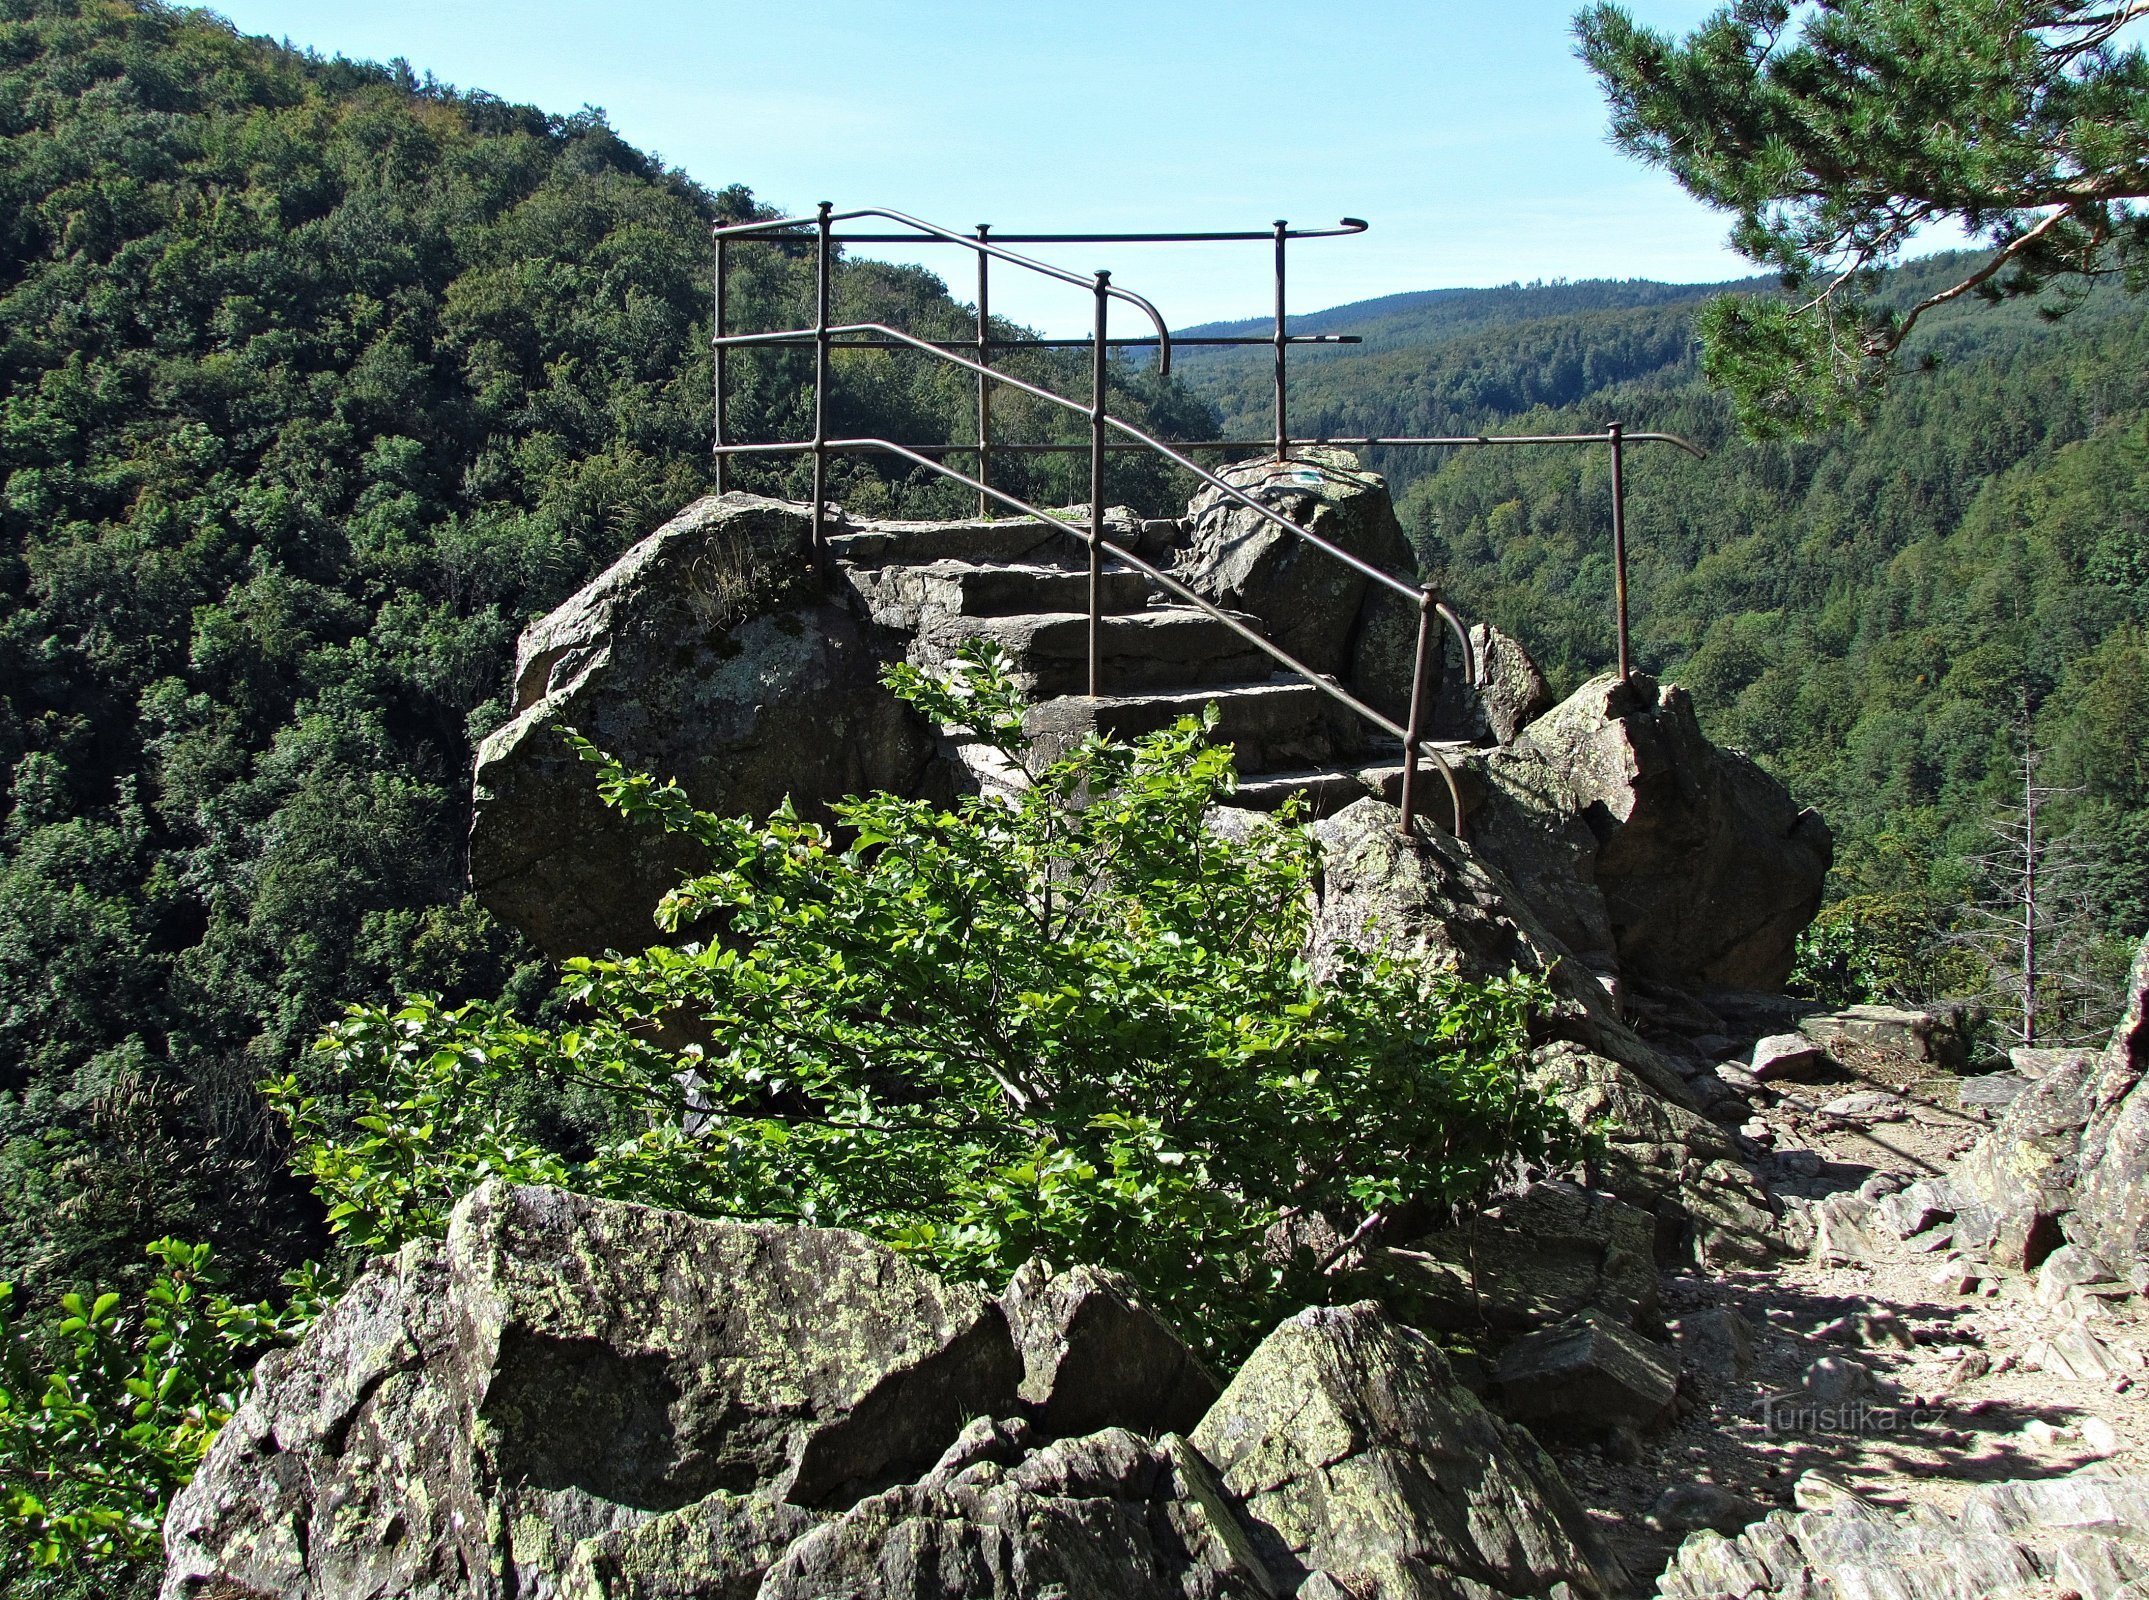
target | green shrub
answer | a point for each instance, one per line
(1072, 1021)
(105, 1416)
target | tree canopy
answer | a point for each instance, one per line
(1837, 131)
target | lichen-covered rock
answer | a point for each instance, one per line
(1326, 614)
(1707, 868)
(1102, 1517)
(715, 1549)
(2018, 1181)
(1095, 1357)
(1356, 1455)
(568, 1372)
(1588, 1375)
(1438, 900)
(811, 1360)
(1510, 693)
(2111, 1213)
(1538, 1256)
(347, 1470)
(712, 653)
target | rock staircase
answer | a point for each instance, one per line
(1023, 582)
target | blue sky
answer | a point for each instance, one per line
(1466, 133)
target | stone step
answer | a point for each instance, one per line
(1326, 789)
(1279, 722)
(1332, 787)
(907, 597)
(1163, 647)
(1035, 540)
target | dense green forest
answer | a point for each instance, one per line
(1887, 617)
(320, 382)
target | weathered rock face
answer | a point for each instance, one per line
(711, 653)
(1510, 692)
(1101, 1517)
(1327, 615)
(1437, 900)
(1706, 868)
(1542, 1255)
(2012, 1189)
(2079, 1533)
(577, 1399)
(1357, 1457)
(565, 1369)
(1094, 1356)
(2111, 1214)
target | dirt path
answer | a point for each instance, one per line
(1962, 1389)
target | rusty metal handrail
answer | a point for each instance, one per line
(825, 218)
(1409, 591)
(825, 333)
(1171, 585)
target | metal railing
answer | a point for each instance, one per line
(824, 335)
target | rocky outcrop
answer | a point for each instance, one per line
(712, 653)
(1940, 1036)
(579, 1399)
(1508, 694)
(1365, 1470)
(2111, 1212)
(2080, 1533)
(1705, 867)
(2013, 1188)
(1435, 900)
(564, 1369)
(1326, 614)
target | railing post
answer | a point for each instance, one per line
(984, 384)
(1416, 721)
(1097, 373)
(1619, 540)
(1283, 426)
(824, 270)
(723, 461)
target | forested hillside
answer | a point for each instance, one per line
(319, 382)
(1868, 613)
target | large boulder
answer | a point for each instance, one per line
(1326, 614)
(2017, 1182)
(566, 1369)
(2111, 1213)
(713, 653)
(1358, 1458)
(1508, 693)
(1706, 868)
(1590, 1374)
(1435, 900)
(1094, 1356)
